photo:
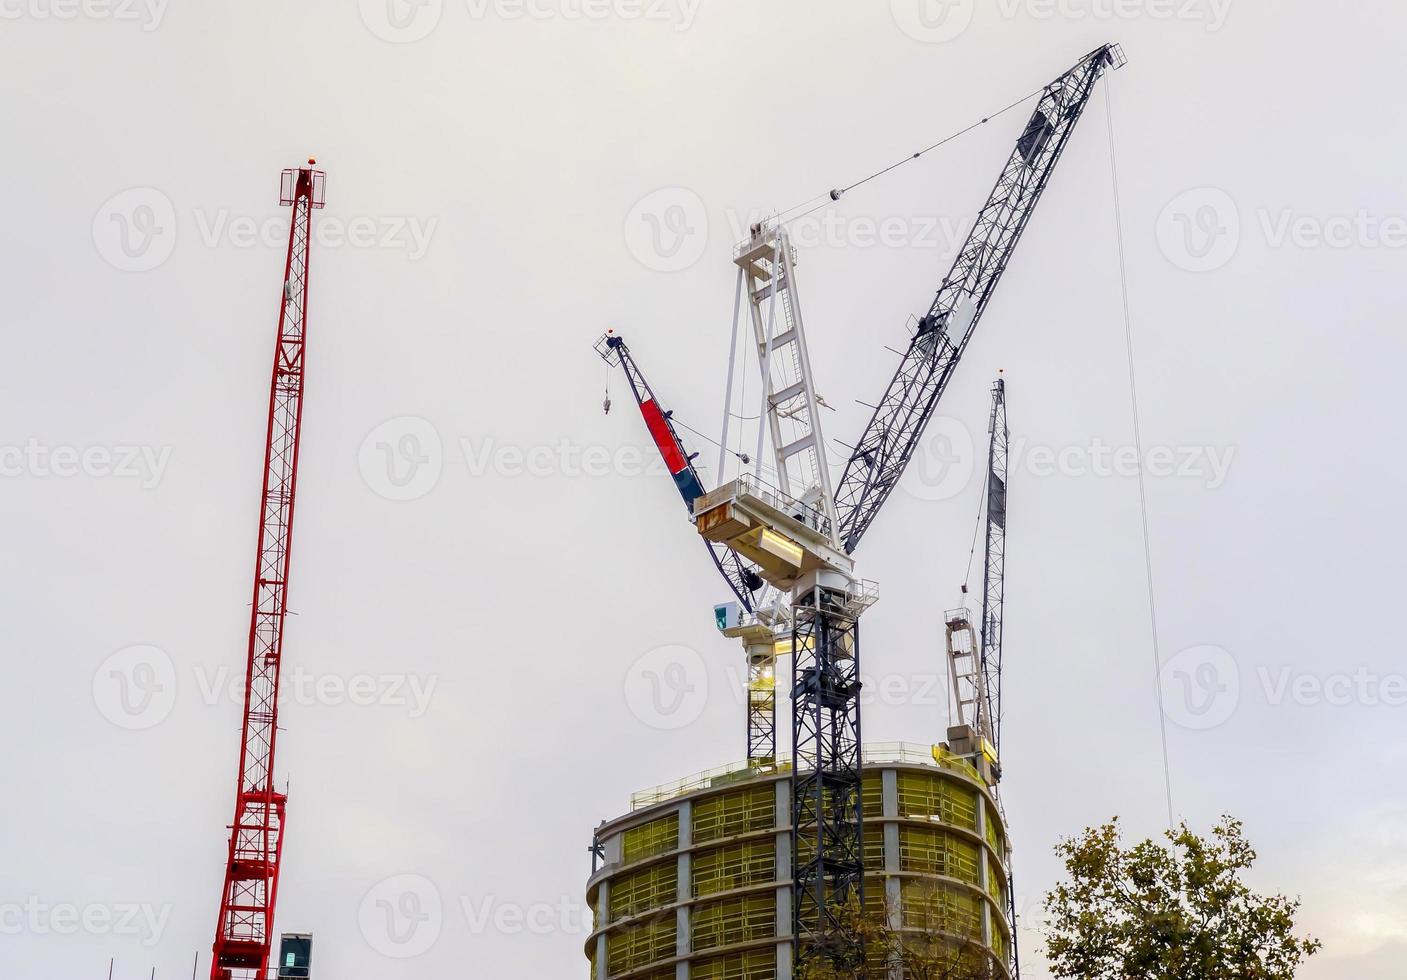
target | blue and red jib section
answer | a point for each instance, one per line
(675, 459)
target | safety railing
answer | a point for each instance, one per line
(877, 754)
(774, 498)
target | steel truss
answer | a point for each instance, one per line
(945, 330)
(827, 816)
(244, 932)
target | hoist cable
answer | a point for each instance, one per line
(1138, 448)
(836, 194)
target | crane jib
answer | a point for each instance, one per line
(675, 459)
(901, 416)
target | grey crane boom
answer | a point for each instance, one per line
(945, 330)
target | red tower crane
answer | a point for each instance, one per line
(244, 933)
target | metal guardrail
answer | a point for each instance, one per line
(767, 236)
(774, 498)
(881, 753)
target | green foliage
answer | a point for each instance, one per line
(1175, 911)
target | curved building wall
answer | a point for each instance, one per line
(696, 882)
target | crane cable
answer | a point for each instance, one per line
(837, 193)
(834, 195)
(708, 439)
(976, 530)
(1138, 448)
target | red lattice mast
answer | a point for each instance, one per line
(244, 934)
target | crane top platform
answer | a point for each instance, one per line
(786, 538)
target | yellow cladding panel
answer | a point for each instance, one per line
(656, 837)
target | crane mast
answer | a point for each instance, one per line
(976, 664)
(945, 330)
(788, 529)
(791, 407)
(993, 606)
(974, 652)
(244, 932)
(994, 568)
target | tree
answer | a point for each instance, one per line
(1178, 911)
(934, 945)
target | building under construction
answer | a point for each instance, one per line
(697, 879)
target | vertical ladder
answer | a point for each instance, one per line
(766, 266)
(965, 670)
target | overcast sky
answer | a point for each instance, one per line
(487, 574)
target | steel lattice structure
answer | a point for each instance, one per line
(244, 932)
(827, 814)
(945, 330)
(994, 574)
(993, 603)
(762, 712)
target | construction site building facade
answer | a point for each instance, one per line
(695, 882)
